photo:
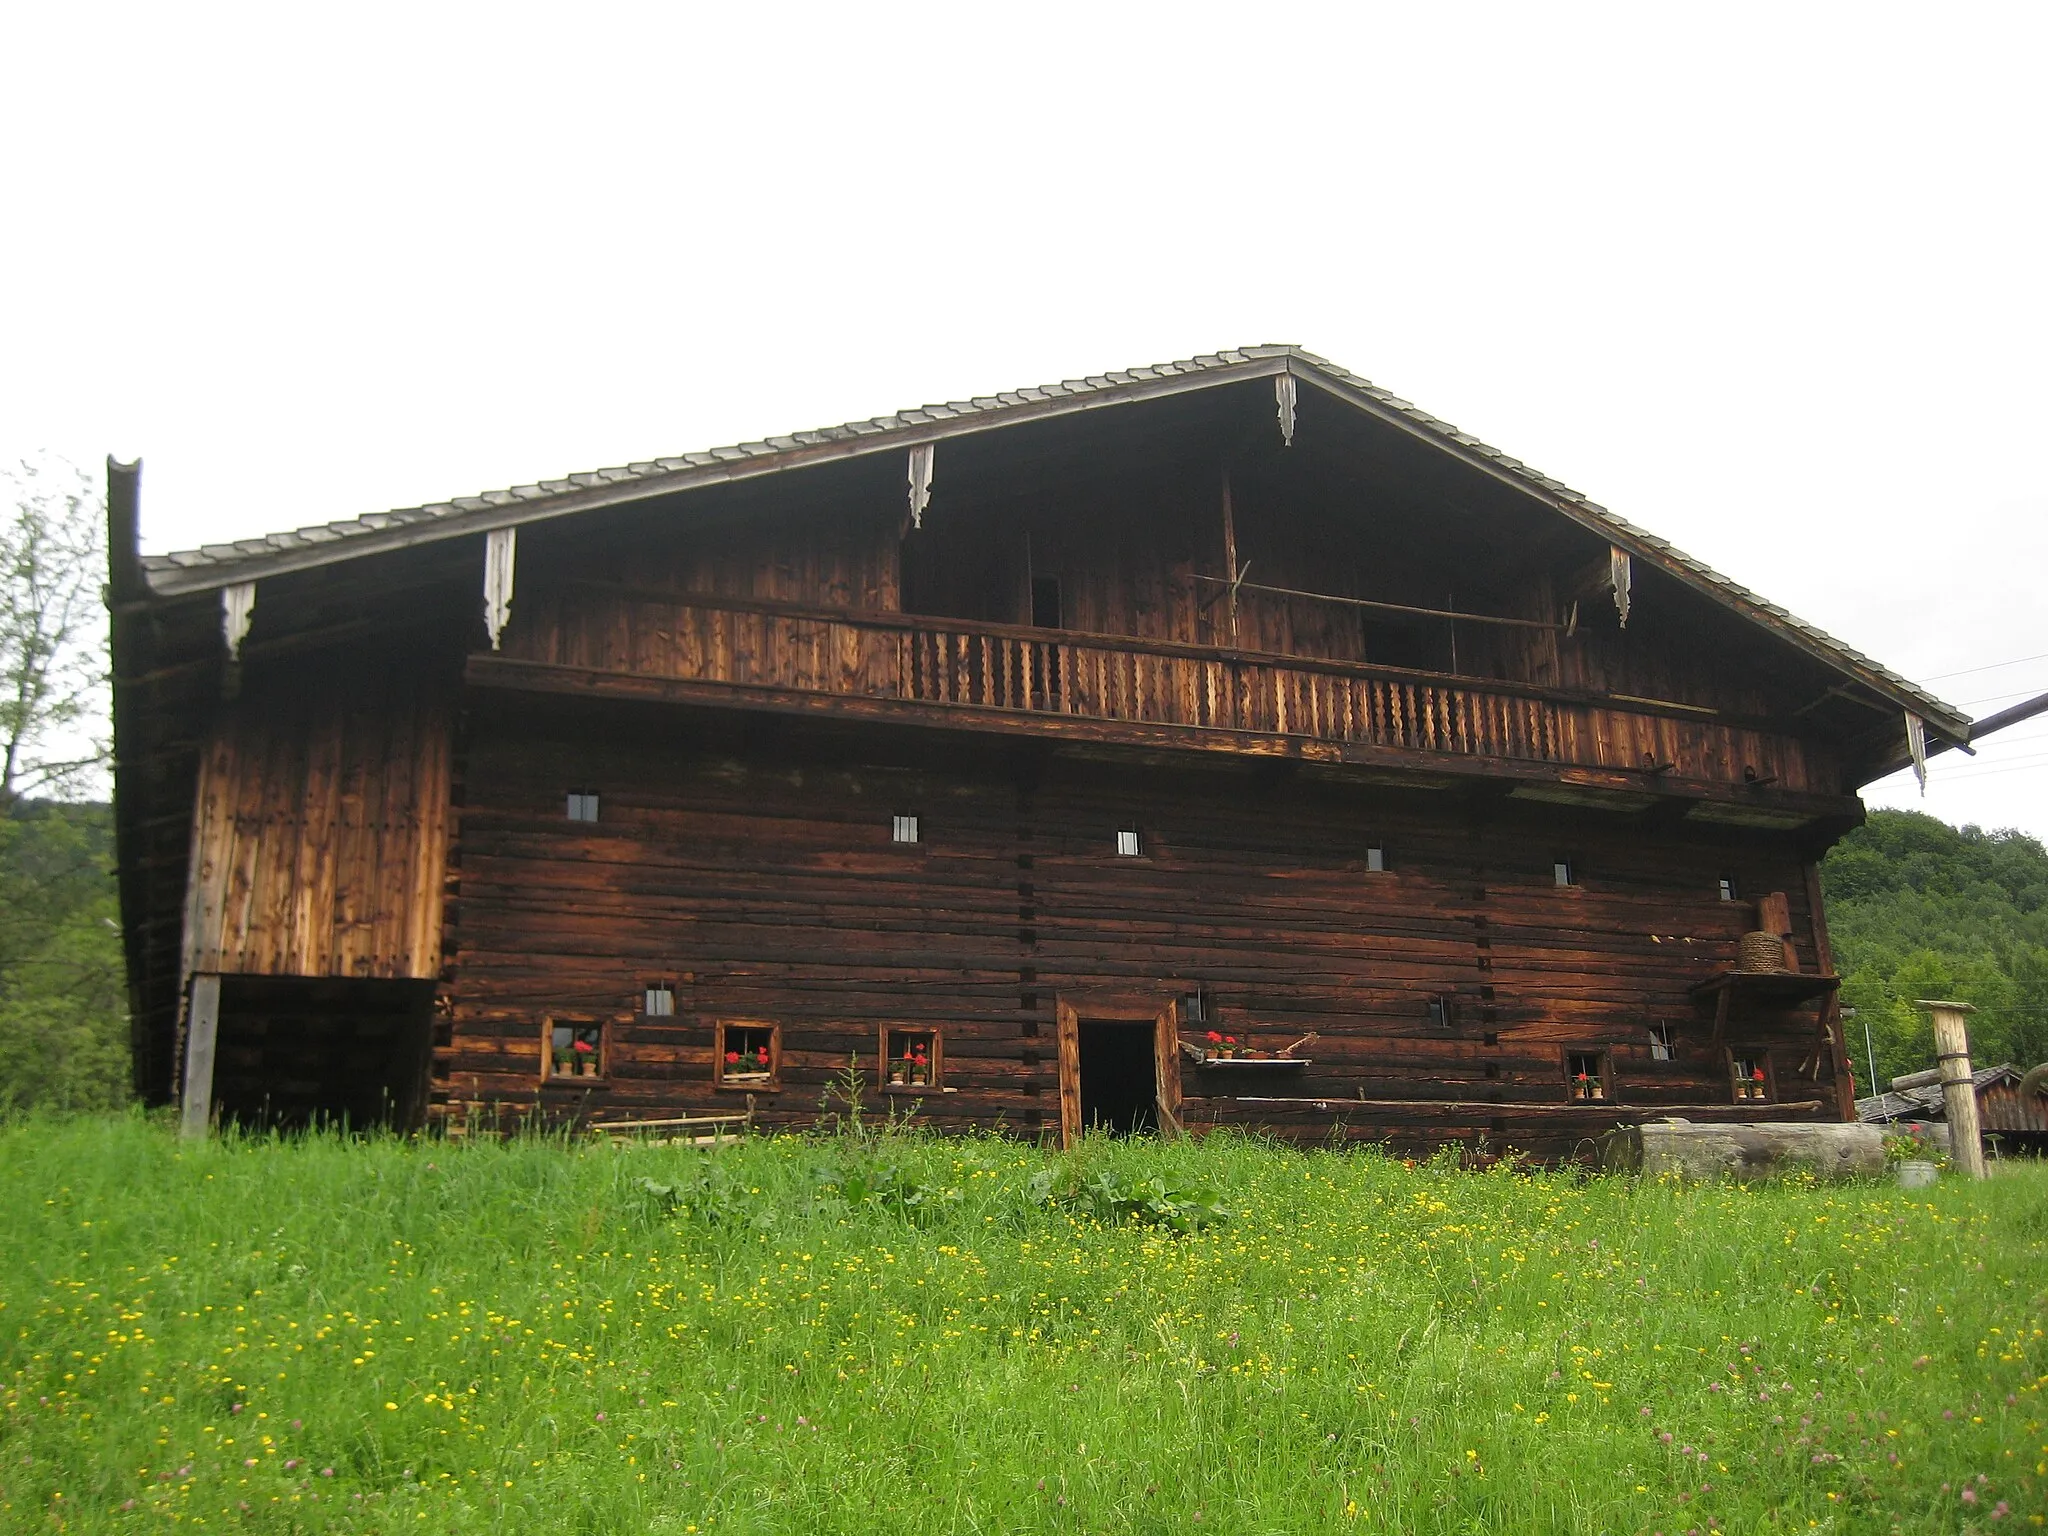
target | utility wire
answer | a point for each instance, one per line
(1989, 666)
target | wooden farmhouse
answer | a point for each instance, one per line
(1224, 743)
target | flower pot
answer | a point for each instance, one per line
(1916, 1174)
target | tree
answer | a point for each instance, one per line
(63, 1024)
(53, 650)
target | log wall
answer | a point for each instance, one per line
(751, 865)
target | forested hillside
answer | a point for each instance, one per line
(1920, 909)
(63, 1009)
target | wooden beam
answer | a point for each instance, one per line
(1978, 731)
(202, 1029)
(125, 582)
(1232, 574)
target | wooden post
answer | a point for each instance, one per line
(202, 1028)
(1831, 1022)
(1230, 554)
(1166, 1067)
(1958, 1092)
(1069, 1040)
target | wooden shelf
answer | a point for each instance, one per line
(1782, 988)
(1244, 1063)
(1768, 989)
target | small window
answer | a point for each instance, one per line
(1440, 1010)
(1751, 1077)
(1586, 1076)
(1728, 890)
(1376, 861)
(660, 1000)
(904, 829)
(573, 1051)
(1194, 1007)
(1046, 608)
(910, 1058)
(1660, 1042)
(583, 805)
(748, 1055)
(1127, 845)
(1563, 872)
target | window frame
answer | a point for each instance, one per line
(649, 989)
(1137, 837)
(901, 821)
(1602, 1076)
(935, 1077)
(573, 1022)
(579, 800)
(1564, 872)
(749, 1083)
(1754, 1056)
(1729, 887)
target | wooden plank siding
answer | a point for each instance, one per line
(320, 826)
(754, 869)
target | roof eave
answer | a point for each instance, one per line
(1568, 503)
(212, 574)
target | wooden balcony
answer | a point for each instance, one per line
(591, 639)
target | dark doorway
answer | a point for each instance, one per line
(296, 1051)
(1119, 1079)
(1046, 609)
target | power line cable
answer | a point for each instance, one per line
(1989, 666)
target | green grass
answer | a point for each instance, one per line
(416, 1336)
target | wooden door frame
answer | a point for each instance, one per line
(1164, 1015)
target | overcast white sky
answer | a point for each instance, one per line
(1766, 280)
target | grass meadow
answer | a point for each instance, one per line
(899, 1333)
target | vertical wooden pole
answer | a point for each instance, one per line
(1166, 1067)
(1831, 1017)
(1959, 1094)
(1230, 554)
(1069, 1040)
(202, 1028)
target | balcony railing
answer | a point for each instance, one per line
(1062, 674)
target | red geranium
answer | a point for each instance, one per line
(732, 1058)
(1215, 1037)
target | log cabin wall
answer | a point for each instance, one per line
(320, 829)
(748, 864)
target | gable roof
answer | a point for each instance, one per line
(220, 565)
